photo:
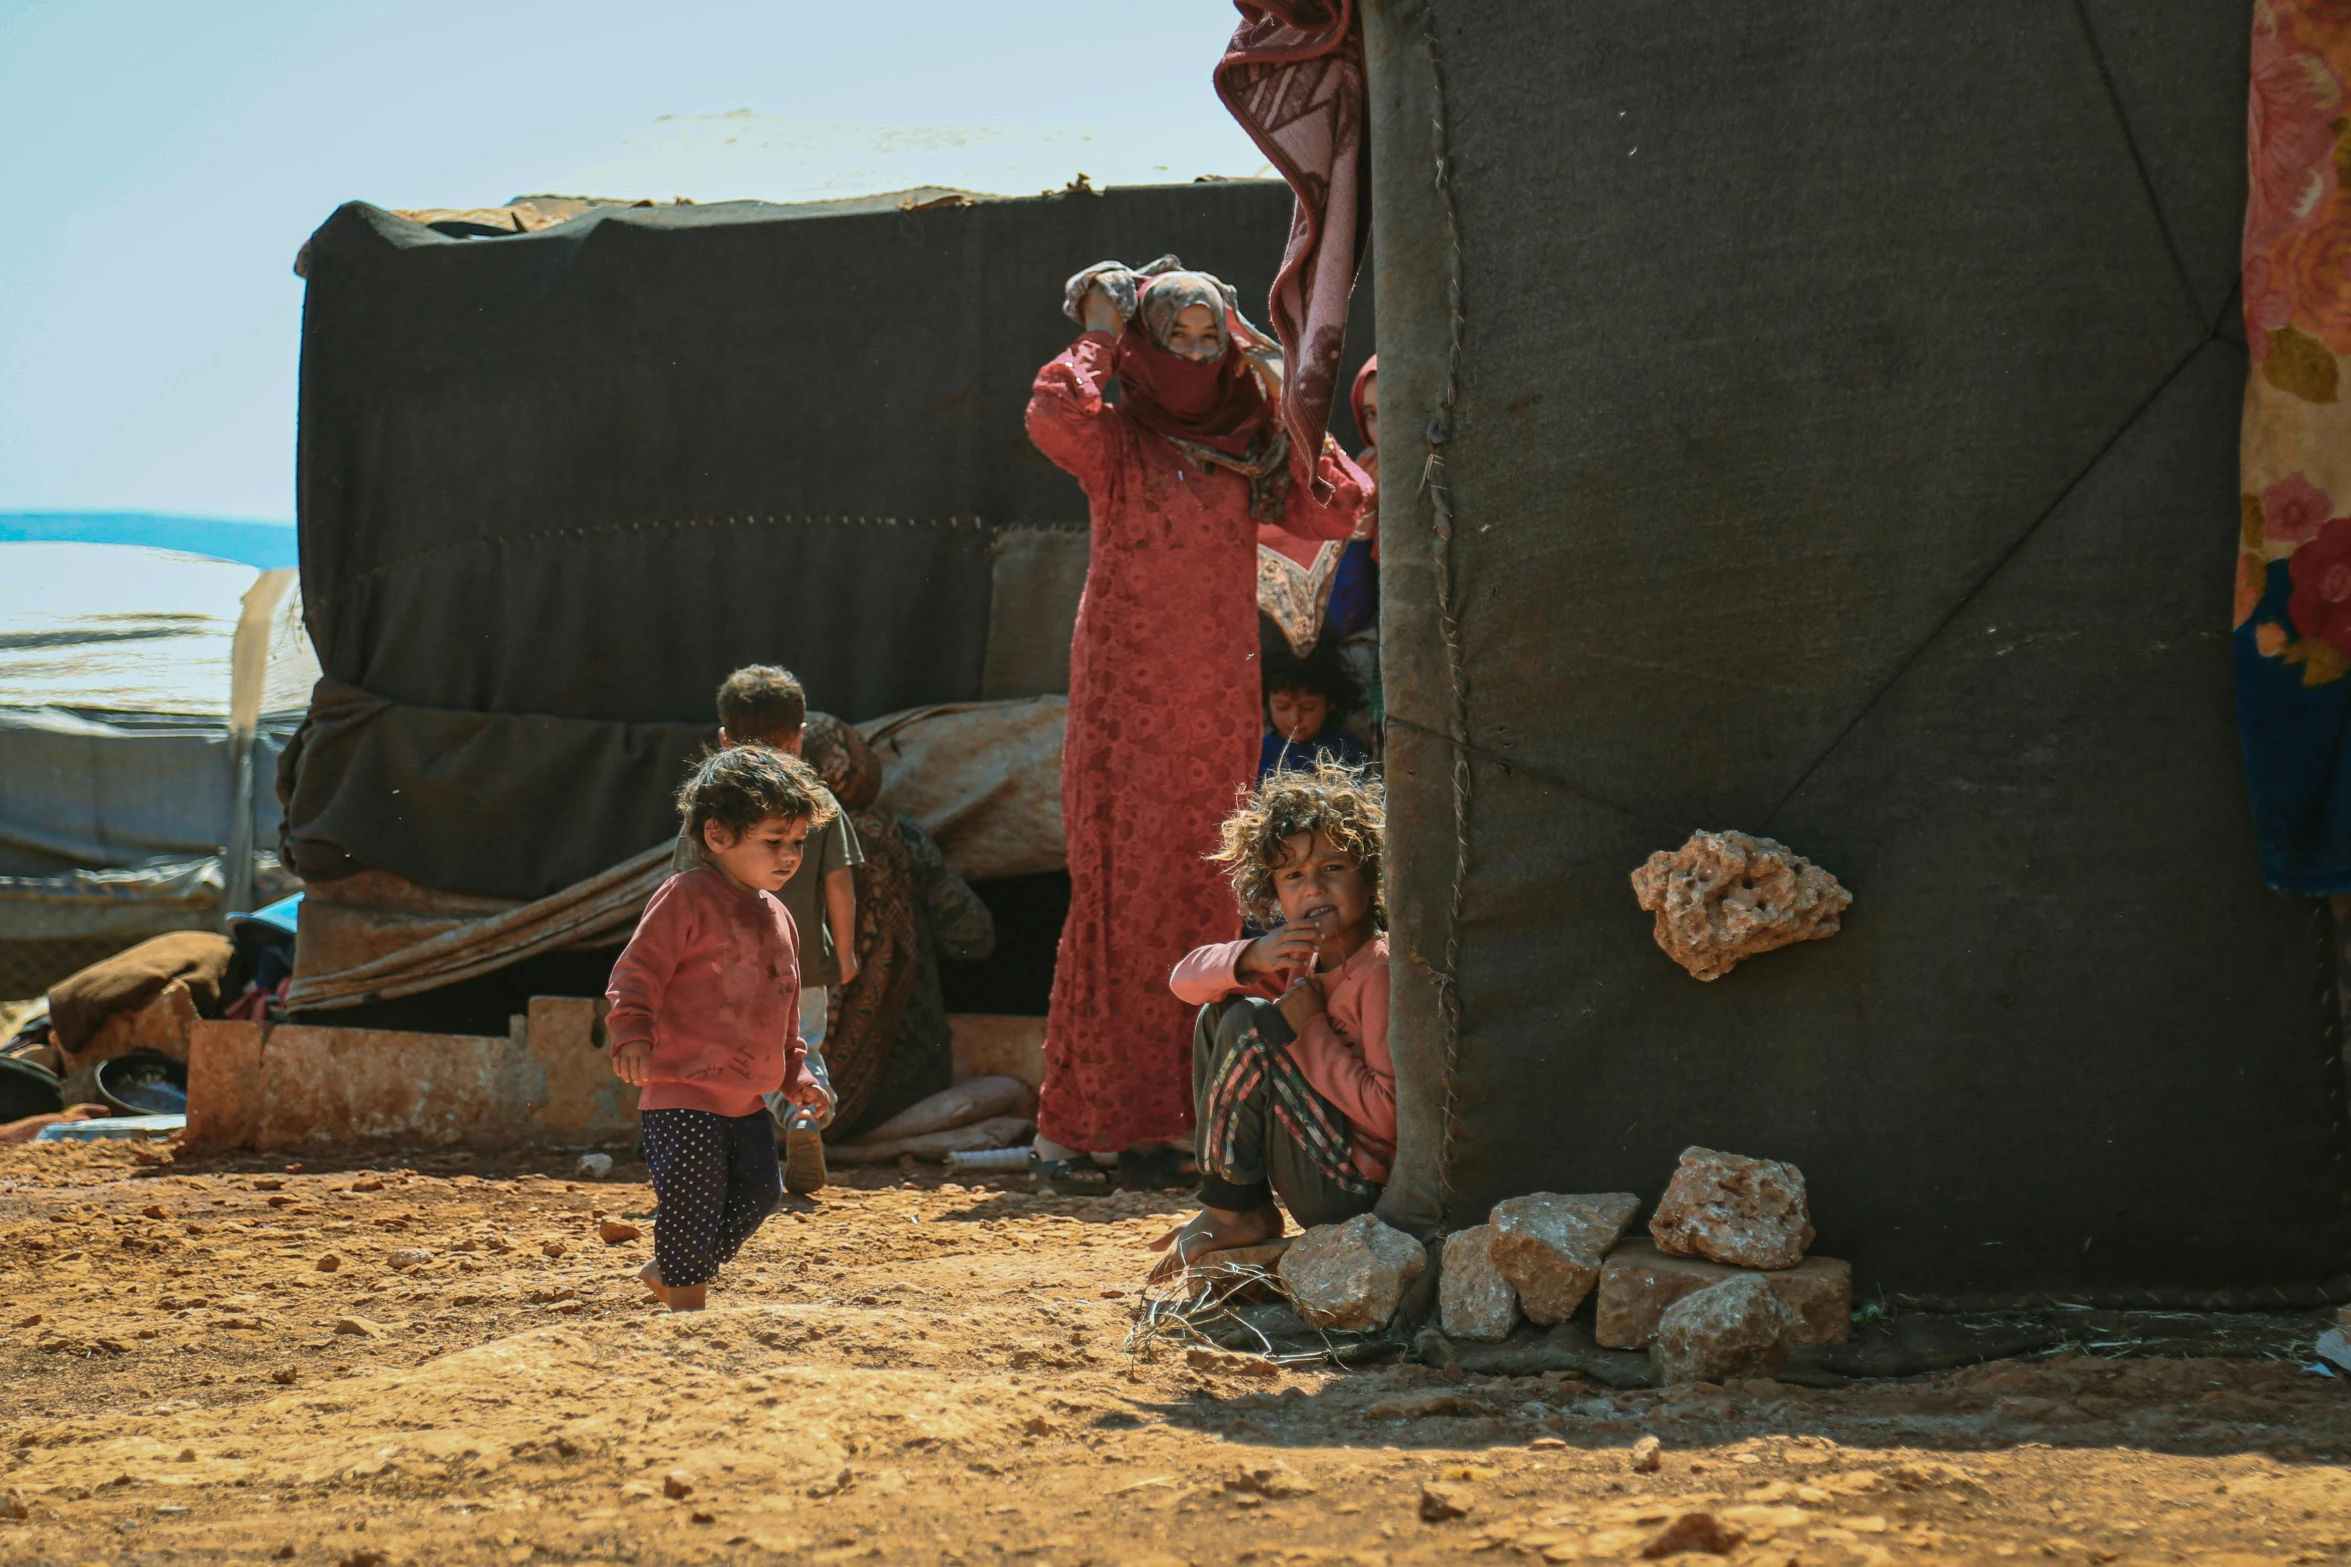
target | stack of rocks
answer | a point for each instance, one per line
(1722, 1288)
(1539, 1254)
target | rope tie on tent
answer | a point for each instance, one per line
(1433, 484)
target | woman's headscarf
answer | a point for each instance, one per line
(842, 759)
(1216, 402)
(1220, 413)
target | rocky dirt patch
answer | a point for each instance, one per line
(909, 1370)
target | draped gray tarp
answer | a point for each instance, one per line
(553, 486)
(1843, 449)
(112, 824)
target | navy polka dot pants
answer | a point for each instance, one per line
(717, 1179)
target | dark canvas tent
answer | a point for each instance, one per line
(1843, 450)
(554, 486)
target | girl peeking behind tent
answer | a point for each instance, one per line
(1292, 1085)
(705, 1014)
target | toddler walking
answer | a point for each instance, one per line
(705, 1014)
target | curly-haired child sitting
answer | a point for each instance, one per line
(1292, 1087)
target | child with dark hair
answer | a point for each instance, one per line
(1292, 1083)
(1304, 700)
(761, 704)
(706, 1009)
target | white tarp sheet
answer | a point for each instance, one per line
(117, 778)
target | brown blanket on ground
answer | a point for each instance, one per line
(80, 1006)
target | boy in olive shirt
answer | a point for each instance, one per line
(763, 705)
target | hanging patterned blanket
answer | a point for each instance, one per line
(2293, 606)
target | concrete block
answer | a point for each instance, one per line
(256, 1085)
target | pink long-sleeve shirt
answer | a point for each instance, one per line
(1342, 1050)
(711, 980)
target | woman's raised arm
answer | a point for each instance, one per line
(1068, 418)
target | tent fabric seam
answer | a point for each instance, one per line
(952, 524)
(1513, 765)
(1990, 575)
(2130, 141)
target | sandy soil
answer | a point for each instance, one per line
(921, 1371)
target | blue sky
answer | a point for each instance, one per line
(166, 161)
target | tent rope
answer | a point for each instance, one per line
(1433, 484)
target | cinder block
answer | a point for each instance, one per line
(1638, 1282)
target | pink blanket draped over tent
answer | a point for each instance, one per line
(1293, 76)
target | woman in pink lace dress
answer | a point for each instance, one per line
(1163, 684)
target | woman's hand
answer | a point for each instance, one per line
(1100, 312)
(1286, 951)
(632, 1063)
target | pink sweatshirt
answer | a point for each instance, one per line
(711, 980)
(1342, 1051)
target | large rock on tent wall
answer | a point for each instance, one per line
(1844, 447)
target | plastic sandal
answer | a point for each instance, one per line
(1079, 1177)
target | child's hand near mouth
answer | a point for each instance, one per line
(1287, 951)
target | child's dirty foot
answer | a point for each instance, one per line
(677, 1297)
(1212, 1230)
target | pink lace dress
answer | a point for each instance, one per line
(1164, 723)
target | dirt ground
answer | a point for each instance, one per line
(924, 1371)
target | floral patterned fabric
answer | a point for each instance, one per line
(2293, 601)
(1163, 732)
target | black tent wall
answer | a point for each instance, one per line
(554, 486)
(1843, 449)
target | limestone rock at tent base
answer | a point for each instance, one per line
(1737, 1328)
(1474, 1300)
(1726, 896)
(1351, 1275)
(1727, 1208)
(1638, 1282)
(1549, 1245)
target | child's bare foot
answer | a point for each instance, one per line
(650, 1276)
(1213, 1229)
(677, 1297)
